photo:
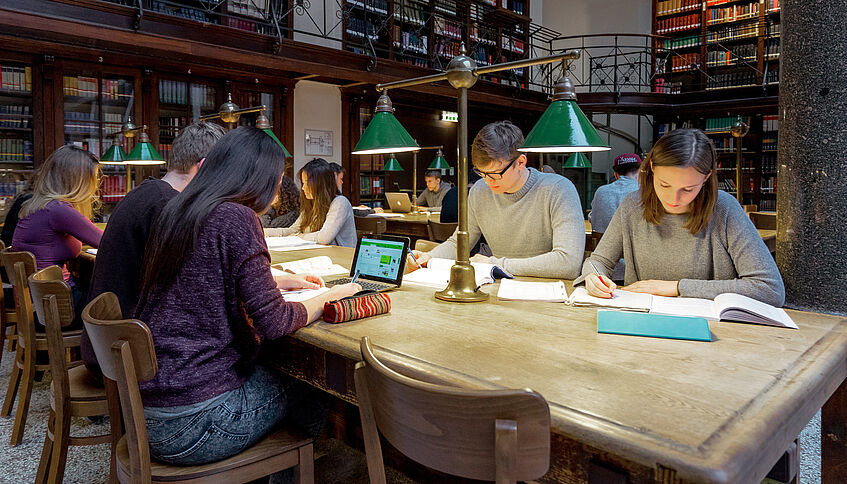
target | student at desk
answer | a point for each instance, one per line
(326, 217)
(435, 191)
(210, 300)
(532, 221)
(680, 236)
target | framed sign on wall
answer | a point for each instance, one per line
(318, 142)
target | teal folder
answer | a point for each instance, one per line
(653, 325)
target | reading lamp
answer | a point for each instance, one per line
(230, 113)
(462, 73)
(144, 153)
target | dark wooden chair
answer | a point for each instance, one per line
(493, 435)
(763, 220)
(19, 266)
(440, 231)
(125, 352)
(369, 225)
(74, 392)
(8, 317)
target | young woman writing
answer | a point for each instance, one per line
(210, 300)
(326, 217)
(680, 236)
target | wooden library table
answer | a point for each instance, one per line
(410, 225)
(643, 409)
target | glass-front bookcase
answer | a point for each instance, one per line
(181, 103)
(16, 130)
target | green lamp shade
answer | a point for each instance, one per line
(144, 154)
(439, 163)
(115, 155)
(563, 128)
(577, 160)
(385, 135)
(392, 165)
(272, 135)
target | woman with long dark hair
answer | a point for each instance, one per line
(285, 209)
(210, 300)
(680, 236)
(326, 216)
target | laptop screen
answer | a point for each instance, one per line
(381, 259)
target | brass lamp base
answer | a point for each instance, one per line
(462, 286)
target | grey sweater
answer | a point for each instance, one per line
(607, 199)
(432, 199)
(338, 229)
(727, 256)
(536, 231)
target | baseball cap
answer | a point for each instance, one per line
(626, 162)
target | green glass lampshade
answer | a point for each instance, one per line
(115, 155)
(272, 135)
(385, 134)
(144, 153)
(577, 160)
(439, 163)
(392, 165)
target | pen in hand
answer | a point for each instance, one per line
(414, 258)
(355, 276)
(597, 273)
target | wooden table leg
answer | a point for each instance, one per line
(834, 437)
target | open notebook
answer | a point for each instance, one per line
(290, 242)
(725, 307)
(437, 273)
(318, 266)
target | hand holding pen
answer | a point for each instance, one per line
(599, 285)
(355, 276)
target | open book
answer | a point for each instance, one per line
(512, 290)
(290, 242)
(319, 266)
(437, 273)
(725, 307)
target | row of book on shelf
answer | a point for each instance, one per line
(371, 185)
(177, 92)
(378, 6)
(85, 86)
(769, 162)
(768, 184)
(732, 13)
(770, 122)
(15, 116)
(86, 122)
(724, 123)
(15, 149)
(665, 86)
(732, 79)
(733, 32)
(676, 24)
(410, 41)
(737, 54)
(171, 126)
(685, 62)
(767, 205)
(182, 11)
(668, 7)
(358, 27)
(16, 78)
(112, 188)
(681, 42)
(10, 188)
(447, 28)
(249, 8)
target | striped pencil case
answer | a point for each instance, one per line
(363, 304)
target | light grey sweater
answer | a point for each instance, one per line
(432, 199)
(727, 256)
(607, 199)
(338, 229)
(536, 231)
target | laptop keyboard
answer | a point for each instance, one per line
(366, 285)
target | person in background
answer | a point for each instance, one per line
(547, 169)
(286, 208)
(680, 236)
(55, 221)
(435, 191)
(531, 221)
(13, 215)
(326, 217)
(210, 301)
(608, 197)
(338, 170)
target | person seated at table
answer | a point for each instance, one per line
(435, 191)
(286, 208)
(210, 301)
(326, 217)
(680, 236)
(608, 197)
(531, 221)
(55, 221)
(338, 171)
(13, 215)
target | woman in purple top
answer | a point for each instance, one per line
(54, 223)
(210, 300)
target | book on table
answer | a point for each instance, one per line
(290, 242)
(725, 307)
(437, 273)
(318, 266)
(512, 290)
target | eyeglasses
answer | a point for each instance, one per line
(496, 175)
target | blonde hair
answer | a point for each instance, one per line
(71, 174)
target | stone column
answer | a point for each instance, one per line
(811, 244)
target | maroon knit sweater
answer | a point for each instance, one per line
(207, 325)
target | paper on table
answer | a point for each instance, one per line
(632, 301)
(91, 251)
(511, 290)
(684, 306)
(301, 295)
(297, 247)
(319, 266)
(438, 278)
(386, 215)
(280, 243)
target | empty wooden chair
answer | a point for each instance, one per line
(424, 245)
(764, 220)
(369, 225)
(8, 317)
(125, 352)
(440, 231)
(493, 435)
(74, 392)
(19, 266)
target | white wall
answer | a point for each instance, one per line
(316, 106)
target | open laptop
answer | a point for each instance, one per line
(380, 260)
(399, 202)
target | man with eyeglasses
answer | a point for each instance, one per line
(532, 221)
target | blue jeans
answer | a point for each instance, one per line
(237, 421)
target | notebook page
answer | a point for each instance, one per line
(301, 295)
(735, 307)
(512, 290)
(319, 266)
(481, 269)
(438, 278)
(684, 306)
(633, 301)
(274, 243)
